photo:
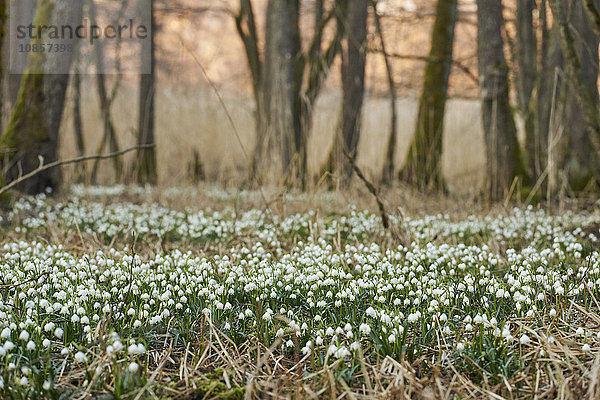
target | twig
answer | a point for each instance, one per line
(385, 220)
(43, 167)
(455, 63)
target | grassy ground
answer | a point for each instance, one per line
(203, 293)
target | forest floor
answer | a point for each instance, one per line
(133, 293)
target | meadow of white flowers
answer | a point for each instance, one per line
(477, 293)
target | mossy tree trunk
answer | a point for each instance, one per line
(579, 46)
(423, 163)
(32, 131)
(526, 57)
(502, 148)
(146, 158)
(3, 29)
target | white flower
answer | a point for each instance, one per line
(392, 338)
(65, 351)
(460, 346)
(47, 385)
(24, 336)
(524, 339)
(136, 349)
(365, 329)
(8, 345)
(31, 345)
(580, 331)
(58, 332)
(586, 347)
(80, 357)
(133, 367)
(23, 381)
(46, 342)
(5, 333)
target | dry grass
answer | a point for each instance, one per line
(193, 120)
(215, 368)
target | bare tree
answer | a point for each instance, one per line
(146, 158)
(422, 166)
(354, 57)
(526, 60)
(389, 166)
(34, 124)
(502, 148)
(579, 46)
(286, 83)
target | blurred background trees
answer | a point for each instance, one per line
(292, 91)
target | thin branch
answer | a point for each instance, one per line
(43, 167)
(385, 220)
(455, 63)
(388, 167)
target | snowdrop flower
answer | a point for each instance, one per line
(47, 385)
(524, 340)
(31, 345)
(24, 336)
(365, 329)
(133, 367)
(65, 351)
(8, 345)
(80, 357)
(5, 333)
(586, 347)
(135, 349)
(460, 346)
(580, 331)
(46, 342)
(58, 332)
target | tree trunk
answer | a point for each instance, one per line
(580, 50)
(582, 158)
(3, 72)
(146, 161)
(33, 128)
(23, 12)
(78, 124)
(389, 166)
(287, 80)
(422, 166)
(276, 136)
(354, 57)
(109, 135)
(526, 56)
(502, 147)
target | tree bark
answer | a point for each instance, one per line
(274, 151)
(353, 25)
(389, 166)
(422, 166)
(582, 72)
(109, 135)
(78, 124)
(146, 158)
(502, 147)
(34, 124)
(526, 57)
(286, 82)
